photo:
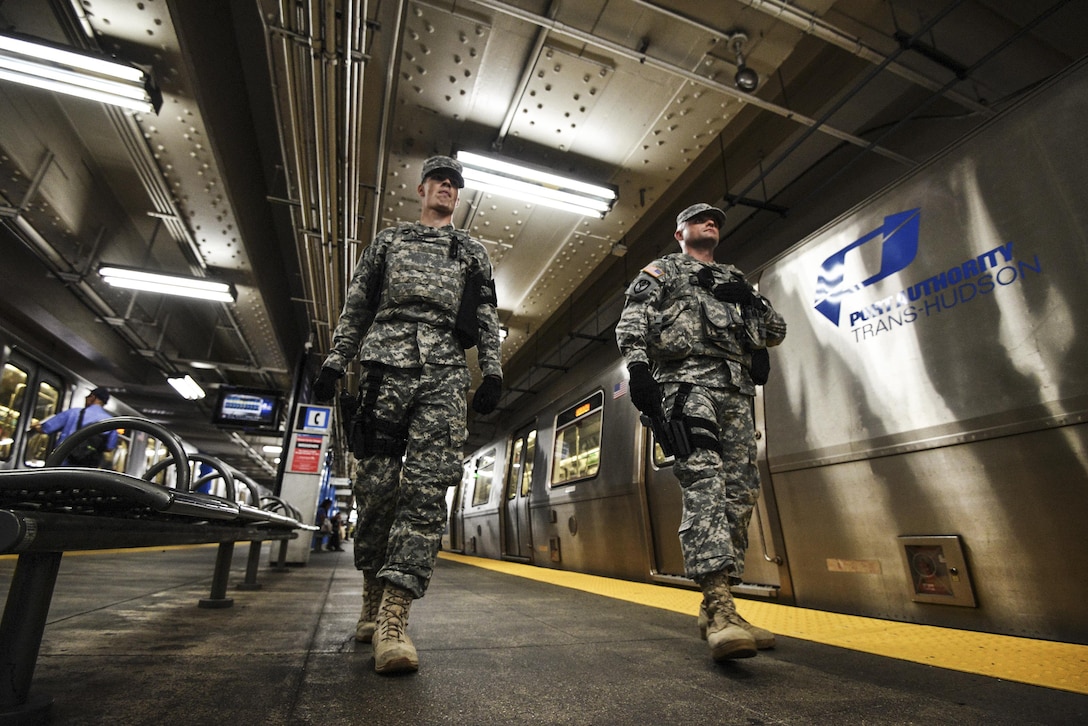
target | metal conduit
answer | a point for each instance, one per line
(812, 25)
(392, 68)
(873, 72)
(298, 48)
(303, 213)
(695, 78)
(323, 61)
(354, 63)
(354, 60)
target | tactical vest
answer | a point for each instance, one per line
(692, 322)
(424, 279)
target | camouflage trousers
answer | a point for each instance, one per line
(402, 503)
(720, 486)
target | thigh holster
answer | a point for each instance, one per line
(701, 433)
(371, 436)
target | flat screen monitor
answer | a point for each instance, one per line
(247, 408)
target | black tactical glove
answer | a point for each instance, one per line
(738, 292)
(324, 386)
(487, 395)
(645, 391)
(734, 292)
(761, 366)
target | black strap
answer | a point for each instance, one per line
(374, 377)
(682, 394)
(698, 440)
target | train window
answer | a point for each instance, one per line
(153, 454)
(660, 459)
(521, 466)
(485, 477)
(12, 389)
(119, 457)
(577, 452)
(46, 403)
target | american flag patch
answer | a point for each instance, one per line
(619, 389)
(653, 271)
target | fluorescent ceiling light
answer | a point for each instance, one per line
(41, 64)
(270, 449)
(198, 287)
(507, 179)
(187, 387)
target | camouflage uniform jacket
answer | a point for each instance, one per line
(677, 326)
(403, 298)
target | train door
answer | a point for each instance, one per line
(28, 395)
(454, 538)
(763, 564)
(517, 540)
(664, 504)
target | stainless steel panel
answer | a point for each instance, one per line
(899, 409)
(954, 309)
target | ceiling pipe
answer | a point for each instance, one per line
(302, 145)
(812, 25)
(620, 50)
(388, 104)
(323, 73)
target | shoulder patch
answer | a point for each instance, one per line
(642, 287)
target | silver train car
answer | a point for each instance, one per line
(922, 438)
(33, 387)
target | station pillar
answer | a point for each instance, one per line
(302, 474)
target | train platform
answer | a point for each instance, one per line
(126, 643)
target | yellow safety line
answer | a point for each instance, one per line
(1062, 666)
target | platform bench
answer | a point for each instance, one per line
(47, 512)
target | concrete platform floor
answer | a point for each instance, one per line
(127, 644)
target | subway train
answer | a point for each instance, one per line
(33, 387)
(922, 444)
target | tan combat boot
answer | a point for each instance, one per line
(763, 637)
(372, 600)
(725, 635)
(393, 649)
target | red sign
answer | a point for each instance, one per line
(306, 456)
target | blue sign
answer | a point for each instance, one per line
(314, 418)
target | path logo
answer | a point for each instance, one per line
(898, 237)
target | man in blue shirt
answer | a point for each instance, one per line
(67, 422)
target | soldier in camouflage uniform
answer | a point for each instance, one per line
(421, 293)
(704, 331)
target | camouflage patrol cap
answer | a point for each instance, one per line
(447, 164)
(700, 208)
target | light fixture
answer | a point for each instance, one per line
(272, 449)
(187, 388)
(746, 79)
(507, 179)
(38, 63)
(197, 287)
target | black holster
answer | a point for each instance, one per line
(479, 290)
(692, 425)
(369, 435)
(349, 406)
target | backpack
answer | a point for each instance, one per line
(89, 452)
